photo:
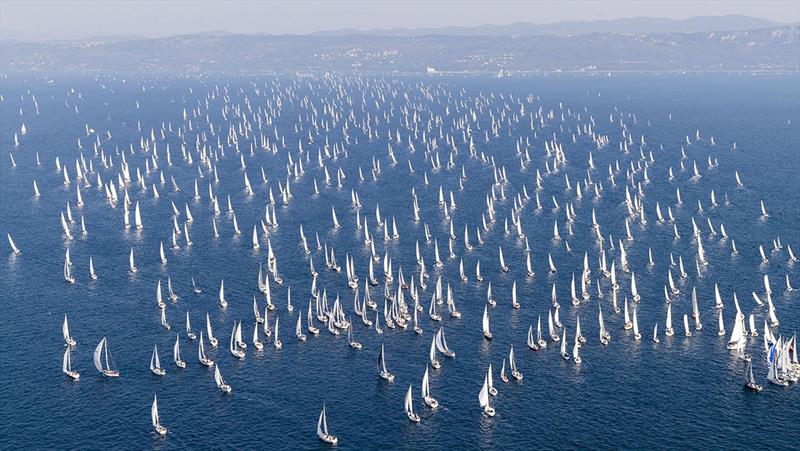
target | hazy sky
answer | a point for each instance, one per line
(32, 19)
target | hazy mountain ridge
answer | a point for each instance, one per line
(624, 25)
(770, 48)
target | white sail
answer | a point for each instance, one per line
(67, 362)
(208, 329)
(426, 384)
(485, 322)
(65, 330)
(11, 243)
(155, 362)
(137, 216)
(98, 351)
(159, 297)
(409, 403)
(668, 328)
(322, 426)
(176, 350)
(131, 262)
(737, 340)
(154, 412)
(222, 301)
(483, 396)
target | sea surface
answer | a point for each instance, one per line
(684, 393)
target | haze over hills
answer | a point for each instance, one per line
(625, 49)
(625, 25)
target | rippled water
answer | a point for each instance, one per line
(683, 392)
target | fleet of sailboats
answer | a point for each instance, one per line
(621, 270)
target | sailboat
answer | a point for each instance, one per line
(575, 300)
(131, 263)
(353, 343)
(430, 401)
(486, 333)
(160, 430)
(159, 296)
(67, 365)
(503, 265)
(211, 339)
(539, 340)
(68, 340)
(628, 323)
(298, 330)
(92, 273)
(432, 355)
(222, 301)
(256, 342)
(483, 398)
(696, 310)
(11, 243)
(668, 330)
(550, 327)
(512, 362)
(441, 344)
(164, 322)
(382, 371)
(221, 382)
(155, 363)
(201, 353)
(749, 380)
(532, 344)
(409, 406)
(514, 302)
(102, 359)
(310, 321)
(176, 352)
(236, 340)
(564, 354)
(322, 429)
(189, 332)
(773, 376)
(68, 277)
(417, 328)
(277, 343)
(171, 294)
(605, 336)
(137, 216)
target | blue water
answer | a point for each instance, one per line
(681, 393)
